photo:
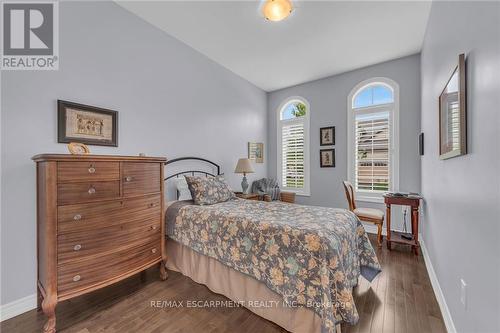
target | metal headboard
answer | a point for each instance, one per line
(193, 172)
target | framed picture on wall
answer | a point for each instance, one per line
(256, 152)
(452, 114)
(86, 124)
(327, 136)
(327, 158)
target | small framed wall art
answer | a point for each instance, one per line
(327, 158)
(256, 152)
(327, 136)
(86, 124)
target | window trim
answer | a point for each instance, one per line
(394, 125)
(306, 120)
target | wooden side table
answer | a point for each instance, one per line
(395, 236)
(248, 196)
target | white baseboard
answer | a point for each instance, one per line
(448, 321)
(17, 307)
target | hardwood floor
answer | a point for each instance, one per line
(399, 300)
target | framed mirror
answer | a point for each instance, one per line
(452, 114)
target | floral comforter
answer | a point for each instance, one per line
(312, 256)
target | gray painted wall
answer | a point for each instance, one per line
(172, 101)
(328, 101)
(461, 217)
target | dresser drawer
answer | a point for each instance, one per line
(141, 178)
(90, 216)
(90, 191)
(79, 275)
(85, 245)
(87, 171)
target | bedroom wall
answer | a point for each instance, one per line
(172, 102)
(462, 194)
(328, 102)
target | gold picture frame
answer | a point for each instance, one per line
(256, 152)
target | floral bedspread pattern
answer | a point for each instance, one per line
(312, 256)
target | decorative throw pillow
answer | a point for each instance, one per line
(182, 189)
(209, 190)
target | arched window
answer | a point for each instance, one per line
(374, 94)
(293, 145)
(373, 138)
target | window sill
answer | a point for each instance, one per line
(377, 199)
(297, 193)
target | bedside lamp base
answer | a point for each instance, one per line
(244, 184)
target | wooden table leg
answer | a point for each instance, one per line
(388, 225)
(414, 227)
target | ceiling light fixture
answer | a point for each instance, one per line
(277, 10)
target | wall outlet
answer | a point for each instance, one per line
(463, 293)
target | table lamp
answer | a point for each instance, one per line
(244, 166)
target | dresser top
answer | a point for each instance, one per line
(76, 158)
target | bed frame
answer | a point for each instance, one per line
(193, 172)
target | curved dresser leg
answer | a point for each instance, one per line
(49, 309)
(39, 300)
(163, 270)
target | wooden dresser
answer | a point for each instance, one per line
(100, 220)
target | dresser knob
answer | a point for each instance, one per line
(153, 251)
(153, 227)
(77, 217)
(91, 170)
(151, 205)
(77, 247)
(91, 190)
(76, 278)
(128, 178)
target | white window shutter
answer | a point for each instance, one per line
(293, 164)
(372, 152)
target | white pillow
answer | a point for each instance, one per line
(183, 189)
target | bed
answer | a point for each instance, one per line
(291, 264)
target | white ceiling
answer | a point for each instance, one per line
(319, 39)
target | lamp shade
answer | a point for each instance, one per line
(244, 166)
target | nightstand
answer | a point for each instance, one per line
(398, 237)
(248, 196)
